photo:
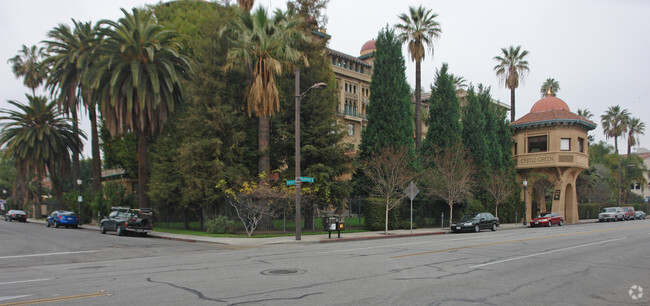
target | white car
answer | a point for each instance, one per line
(611, 214)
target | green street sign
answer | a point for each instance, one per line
(306, 179)
(291, 182)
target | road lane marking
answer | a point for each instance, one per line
(58, 299)
(406, 244)
(547, 252)
(27, 281)
(518, 240)
(47, 254)
(5, 298)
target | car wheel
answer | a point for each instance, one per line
(56, 224)
(494, 227)
(549, 223)
(102, 229)
(143, 234)
(477, 228)
(47, 224)
(560, 224)
(120, 230)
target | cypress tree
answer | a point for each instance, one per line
(389, 113)
(444, 114)
(474, 136)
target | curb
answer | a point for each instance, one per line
(332, 240)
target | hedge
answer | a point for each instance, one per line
(375, 213)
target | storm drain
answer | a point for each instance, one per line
(283, 272)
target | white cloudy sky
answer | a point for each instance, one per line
(598, 50)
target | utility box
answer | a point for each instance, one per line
(340, 225)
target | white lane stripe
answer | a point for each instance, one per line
(544, 253)
(27, 281)
(412, 243)
(48, 254)
(5, 298)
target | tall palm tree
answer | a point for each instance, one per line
(635, 128)
(550, 86)
(614, 123)
(27, 64)
(37, 136)
(263, 46)
(585, 113)
(459, 82)
(246, 5)
(511, 69)
(66, 48)
(137, 78)
(419, 29)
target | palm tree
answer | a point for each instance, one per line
(635, 128)
(511, 68)
(585, 113)
(27, 64)
(67, 48)
(264, 46)
(137, 78)
(37, 136)
(550, 87)
(459, 82)
(614, 123)
(418, 29)
(246, 5)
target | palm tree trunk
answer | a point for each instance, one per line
(39, 196)
(58, 189)
(512, 105)
(75, 155)
(143, 170)
(418, 102)
(264, 164)
(97, 162)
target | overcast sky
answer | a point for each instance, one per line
(598, 50)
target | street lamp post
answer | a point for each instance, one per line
(297, 119)
(79, 199)
(525, 183)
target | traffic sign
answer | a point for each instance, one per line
(306, 179)
(291, 182)
(411, 191)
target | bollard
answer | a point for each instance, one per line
(442, 220)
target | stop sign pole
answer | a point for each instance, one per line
(412, 191)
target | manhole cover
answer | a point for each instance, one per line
(283, 272)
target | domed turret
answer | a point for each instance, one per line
(549, 103)
(368, 47)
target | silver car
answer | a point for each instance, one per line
(639, 214)
(611, 214)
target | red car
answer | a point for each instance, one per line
(547, 219)
(629, 212)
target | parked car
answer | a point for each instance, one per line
(547, 219)
(628, 211)
(62, 218)
(14, 214)
(125, 220)
(611, 214)
(476, 222)
(639, 214)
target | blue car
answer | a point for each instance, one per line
(62, 218)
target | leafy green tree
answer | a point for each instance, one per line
(418, 29)
(511, 69)
(263, 46)
(28, 65)
(389, 113)
(444, 114)
(119, 151)
(37, 136)
(549, 86)
(145, 66)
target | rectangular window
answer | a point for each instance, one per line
(515, 148)
(537, 144)
(581, 145)
(350, 129)
(565, 144)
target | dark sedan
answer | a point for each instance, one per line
(18, 215)
(547, 219)
(62, 218)
(475, 223)
(639, 214)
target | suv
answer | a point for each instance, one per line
(629, 212)
(611, 213)
(125, 219)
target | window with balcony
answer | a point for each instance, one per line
(537, 144)
(581, 145)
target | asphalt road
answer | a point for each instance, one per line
(585, 264)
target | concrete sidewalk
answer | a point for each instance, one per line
(306, 239)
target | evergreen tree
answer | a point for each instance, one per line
(474, 136)
(444, 114)
(389, 113)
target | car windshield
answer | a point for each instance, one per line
(19, 212)
(68, 213)
(467, 218)
(544, 215)
(609, 210)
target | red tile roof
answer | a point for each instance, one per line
(552, 117)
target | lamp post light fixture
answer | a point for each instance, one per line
(79, 200)
(525, 183)
(299, 95)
